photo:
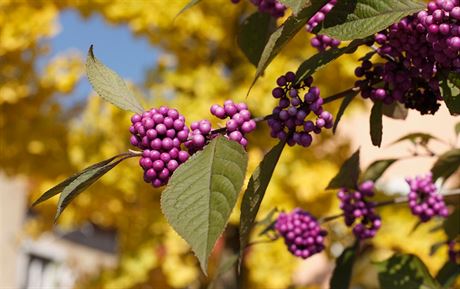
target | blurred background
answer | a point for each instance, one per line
(113, 235)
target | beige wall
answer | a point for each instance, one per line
(12, 208)
(356, 127)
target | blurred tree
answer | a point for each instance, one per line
(200, 65)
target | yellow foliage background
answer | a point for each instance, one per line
(200, 64)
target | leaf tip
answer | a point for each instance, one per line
(90, 51)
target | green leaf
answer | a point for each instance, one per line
(295, 5)
(447, 164)
(451, 225)
(202, 192)
(348, 174)
(253, 35)
(376, 169)
(59, 187)
(405, 272)
(417, 137)
(454, 78)
(376, 124)
(109, 85)
(341, 276)
(350, 20)
(255, 192)
(319, 60)
(396, 110)
(448, 274)
(284, 34)
(189, 5)
(343, 106)
(82, 182)
(451, 94)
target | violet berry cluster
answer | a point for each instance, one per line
(159, 133)
(289, 118)
(239, 124)
(322, 42)
(355, 206)
(417, 49)
(441, 23)
(301, 232)
(239, 121)
(424, 199)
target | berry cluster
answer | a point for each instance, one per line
(240, 122)
(288, 121)
(410, 75)
(301, 233)
(424, 200)
(441, 22)
(322, 42)
(355, 206)
(159, 133)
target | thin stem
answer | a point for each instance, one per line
(399, 200)
(267, 117)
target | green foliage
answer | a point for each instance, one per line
(447, 164)
(448, 274)
(202, 192)
(319, 60)
(284, 34)
(376, 169)
(109, 85)
(350, 20)
(451, 93)
(451, 225)
(376, 124)
(343, 106)
(396, 110)
(255, 192)
(82, 182)
(296, 5)
(348, 174)
(74, 185)
(253, 35)
(405, 272)
(343, 270)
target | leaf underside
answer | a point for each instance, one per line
(109, 85)
(202, 193)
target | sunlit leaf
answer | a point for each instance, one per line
(350, 20)
(109, 85)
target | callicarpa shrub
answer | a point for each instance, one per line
(409, 61)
